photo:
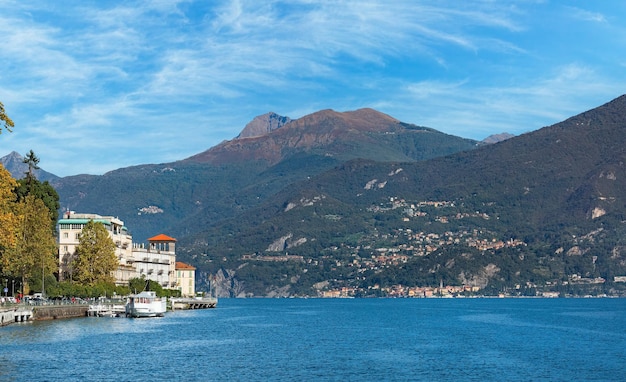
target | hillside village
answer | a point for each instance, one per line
(406, 244)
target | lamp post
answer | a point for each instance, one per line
(43, 277)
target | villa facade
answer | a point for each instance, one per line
(186, 279)
(156, 261)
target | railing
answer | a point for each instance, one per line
(32, 302)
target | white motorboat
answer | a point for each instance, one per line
(146, 304)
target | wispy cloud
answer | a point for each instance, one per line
(94, 86)
(585, 15)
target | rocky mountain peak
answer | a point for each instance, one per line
(263, 124)
(14, 163)
(495, 138)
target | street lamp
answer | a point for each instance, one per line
(43, 277)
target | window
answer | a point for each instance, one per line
(65, 235)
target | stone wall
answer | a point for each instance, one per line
(56, 312)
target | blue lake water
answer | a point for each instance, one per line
(332, 340)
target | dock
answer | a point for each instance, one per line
(15, 313)
(107, 310)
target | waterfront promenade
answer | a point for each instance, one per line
(22, 312)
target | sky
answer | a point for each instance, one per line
(94, 85)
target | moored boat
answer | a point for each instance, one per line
(146, 304)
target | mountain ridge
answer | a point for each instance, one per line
(14, 163)
(238, 174)
(557, 191)
(316, 131)
(342, 191)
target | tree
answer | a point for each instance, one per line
(8, 218)
(43, 191)
(33, 164)
(34, 254)
(8, 123)
(95, 258)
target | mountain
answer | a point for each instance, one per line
(184, 197)
(14, 163)
(262, 125)
(360, 204)
(541, 211)
(363, 133)
(495, 138)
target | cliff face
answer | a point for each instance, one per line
(263, 124)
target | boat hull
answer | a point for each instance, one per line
(146, 304)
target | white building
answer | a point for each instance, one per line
(157, 262)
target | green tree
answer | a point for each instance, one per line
(30, 185)
(43, 191)
(33, 164)
(8, 123)
(34, 254)
(95, 258)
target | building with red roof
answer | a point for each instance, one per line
(155, 262)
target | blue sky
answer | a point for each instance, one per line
(93, 86)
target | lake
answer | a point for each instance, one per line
(331, 340)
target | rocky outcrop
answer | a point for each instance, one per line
(263, 124)
(495, 138)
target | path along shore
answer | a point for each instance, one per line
(12, 313)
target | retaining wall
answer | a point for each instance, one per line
(55, 312)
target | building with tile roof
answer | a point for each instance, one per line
(185, 279)
(156, 262)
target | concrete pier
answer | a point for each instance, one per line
(107, 310)
(15, 313)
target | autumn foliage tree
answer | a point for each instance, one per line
(34, 253)
(8, 123)
(8, 218)
(95, 259)
(27, 234)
